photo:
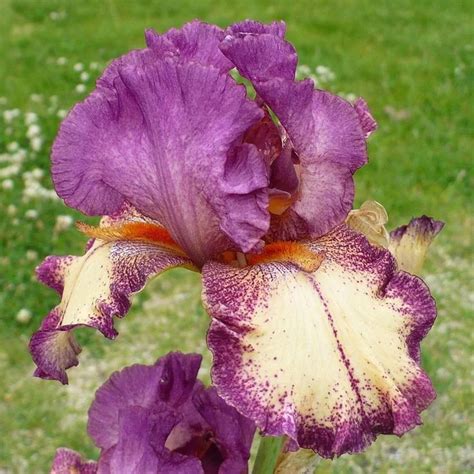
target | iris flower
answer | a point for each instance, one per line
(315, 331)
(159, 418)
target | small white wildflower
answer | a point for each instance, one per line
(80, 88)
(11, 210)
(61, 61)
(10, 115)
(304, 70)
(94, 66)
(31, 255)
(9, 171)
(19, 156)
(12, 147)
(30, 118)
(78, 67)
(61, 113)
(63, 223)
(36, 97)
(350, 97)
(325, 74)
(84, 76)
(37, 173)
(31, 214)
(54, 99)
(23, 316)
(36, 143)
(33, 131)
(7, 184)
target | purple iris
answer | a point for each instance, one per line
(159, 418)
(315, 328)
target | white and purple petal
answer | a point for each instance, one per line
(357, 324)
(409, 243)
(95, 288)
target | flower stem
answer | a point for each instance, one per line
(267, 455)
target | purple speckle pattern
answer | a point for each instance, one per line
(130, 265)
(368, 322)
(67, 461)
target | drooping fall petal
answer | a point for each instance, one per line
(325, 352)
(97, 287)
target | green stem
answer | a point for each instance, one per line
(267, 455)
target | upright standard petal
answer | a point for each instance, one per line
(327, 133)
(409, 243)
(357, 324)
(98, 286)
(195, 41)
(166, 135)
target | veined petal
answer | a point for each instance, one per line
(327, 133)
(165, 134)
(96, 287)
(409, 243)
(357, 325)
(67, 461)
(195, 41)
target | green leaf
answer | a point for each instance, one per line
(267, 455)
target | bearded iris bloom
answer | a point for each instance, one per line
(315, 331)
(159, 418)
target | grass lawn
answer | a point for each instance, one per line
(413, 63)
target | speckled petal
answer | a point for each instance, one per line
(357, 324)
(163, 134)
(67, 461)
(95, 288)
(327, 133)
(409, 243)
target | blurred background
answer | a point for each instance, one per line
(413, 63)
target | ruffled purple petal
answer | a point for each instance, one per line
(67, 461)
(161, 419)
(357, 324)
(195, 41)
(367, 121)
(163, 134)
(327, 132)
(232, 431)
(246, 27)
(171, 381)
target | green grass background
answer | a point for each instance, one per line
(411, 60)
